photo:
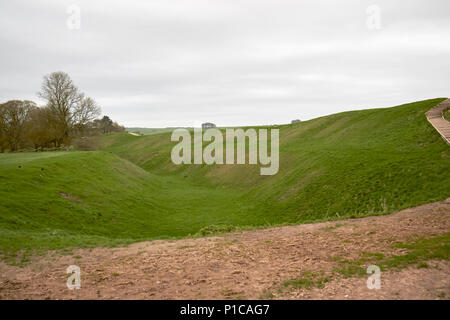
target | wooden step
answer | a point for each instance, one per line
(436, 118)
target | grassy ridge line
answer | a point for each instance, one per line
(147, 131)
(350, 164)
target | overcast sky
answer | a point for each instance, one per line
(159, 63)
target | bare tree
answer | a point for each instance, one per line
(85, 113)
(14, 115)
(40, 131)
(68, 106)
(106, 124)
(118, 128)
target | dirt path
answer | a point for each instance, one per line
(435, 117)
(246, 265)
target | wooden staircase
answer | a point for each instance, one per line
(436, 118)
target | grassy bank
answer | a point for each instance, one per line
(350, 164)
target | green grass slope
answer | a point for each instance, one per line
(147, 131)
(70, 199)
(343, 165)
(350, 164)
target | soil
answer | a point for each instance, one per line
(244, 265)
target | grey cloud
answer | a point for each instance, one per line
(169, 63)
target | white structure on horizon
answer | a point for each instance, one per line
(208, 125)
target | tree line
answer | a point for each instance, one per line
(67, 114)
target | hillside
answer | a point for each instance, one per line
(352, 163)
(147, 131)
(346, 165)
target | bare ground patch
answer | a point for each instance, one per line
(247, 265)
